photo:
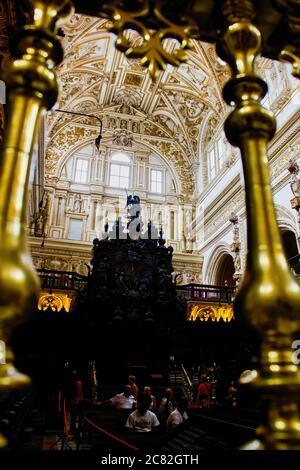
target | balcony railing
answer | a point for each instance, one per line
(208, 293)
(69, 280)
(64, 280)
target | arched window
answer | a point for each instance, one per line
(216, 156)
(156, 181)
(119, 176)
(81, 170)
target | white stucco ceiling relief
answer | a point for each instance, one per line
(169, 115)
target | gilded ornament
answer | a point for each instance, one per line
(291, 50)
(32, 88)
(206, 312)
(149, 47)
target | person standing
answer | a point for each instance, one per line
(74, 397)
(204, 392)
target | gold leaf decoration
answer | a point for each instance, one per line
(150, 49)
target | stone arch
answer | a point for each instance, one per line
(290, 243)
(166, 161)
(73, 150)
(137, 145)
(285, 219)
(216, 263)
(288, 230)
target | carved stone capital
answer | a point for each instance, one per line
(295, 203)
(234, 247)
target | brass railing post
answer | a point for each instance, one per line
(291, 50)
(32, 88)
(269, 296)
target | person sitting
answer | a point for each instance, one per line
(165, 406)
(134, 387)
(232, 394)
(147, 391)
(122, 401)
(179, 415)
(142, 419)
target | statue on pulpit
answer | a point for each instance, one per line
(237, 262)
(295, 184)
(293, 168)
(131, 276)
(133, 205)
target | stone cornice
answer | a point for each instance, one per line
(221, 200)
(59, 247)
(284, 135)
(190, 258)
(67, 248)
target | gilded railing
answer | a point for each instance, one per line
(32, 88)
(269, 295)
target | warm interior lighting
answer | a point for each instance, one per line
(55, 302)
(215, 313)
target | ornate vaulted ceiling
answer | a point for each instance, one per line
(173, 117)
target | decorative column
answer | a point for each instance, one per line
(58, 212)
(100, 176)
(188, 229)
(183, 228)
(91, 218)
(295, 187)
(269, 295)
(142, 158)
(63, 209)
(54, 208)
(98, 226)
(235, 248)
(195, 168)
(105, 167)
(32, 88)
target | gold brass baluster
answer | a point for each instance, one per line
(269, 296)
(291, 51)
(32, 88)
